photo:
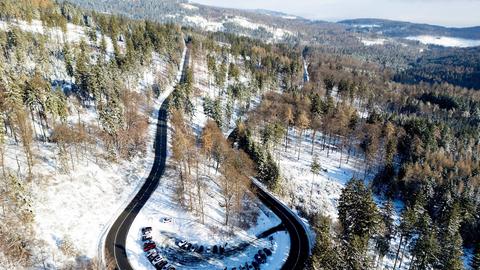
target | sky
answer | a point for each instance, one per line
(457, 13)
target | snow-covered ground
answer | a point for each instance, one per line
(446, 41)
(243, 243)
(212, 25)
(373, 41)
(189, 6)
(186, 226)
(75, 208)
(299, 183)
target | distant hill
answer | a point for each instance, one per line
(406, 29)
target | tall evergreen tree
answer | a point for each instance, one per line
(358, 217)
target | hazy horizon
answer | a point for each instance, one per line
(460, 13)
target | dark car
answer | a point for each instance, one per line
(160, 265)
(152, 255)
(146, 229)
(258, 258)
(255, 265)
(267, 251)
(200, 249)
(215, 249)
(187, 246)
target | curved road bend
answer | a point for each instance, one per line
(299, 241)
(115, 243)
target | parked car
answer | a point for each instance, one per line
(146, 233)
(152, 255)
(160, 265)
(255, 265)
(267, 251)
(182, 243)
(187, 246)
(166, 220)
(157, 260)
(146, 229)
(149, 245)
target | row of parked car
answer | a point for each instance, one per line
(150, 249)
(259, 259)
(216, 249)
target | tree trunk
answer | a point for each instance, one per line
(313, 139)
(398, 252)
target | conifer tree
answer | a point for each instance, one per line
(324, 255)
(315, 169)
(358, 217)
(451, 240)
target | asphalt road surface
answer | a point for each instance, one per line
(115, 244)
(299, 241)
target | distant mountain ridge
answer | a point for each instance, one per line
(405, 29)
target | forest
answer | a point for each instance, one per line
(416, 132)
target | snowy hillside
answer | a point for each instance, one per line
(446, 41)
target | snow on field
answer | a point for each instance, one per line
(366, 25)
(204, 23)
(73, 34)
(211, 25)
(371, 42)
(245, 23)
(446, 41)
(320, 192)
(189, 6)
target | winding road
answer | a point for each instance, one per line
(115, 243)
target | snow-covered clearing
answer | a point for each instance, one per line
(446, 41)
(189, 6)
(372, 42)
(73, 34)
(300, 188)
(211, 25)
(203, 23)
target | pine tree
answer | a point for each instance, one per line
(358, 217)
(315, 169)
(406, 229)
(387, 232)
(476, 258)
(68, 58)
(425, 250)
(82, 72)
(451, 240)
(324, 254)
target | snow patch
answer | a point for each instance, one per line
(188, 6)
(445, 41)
(372, 42)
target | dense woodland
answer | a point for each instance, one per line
(36, 110)
(420, 142)
(456, 66)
